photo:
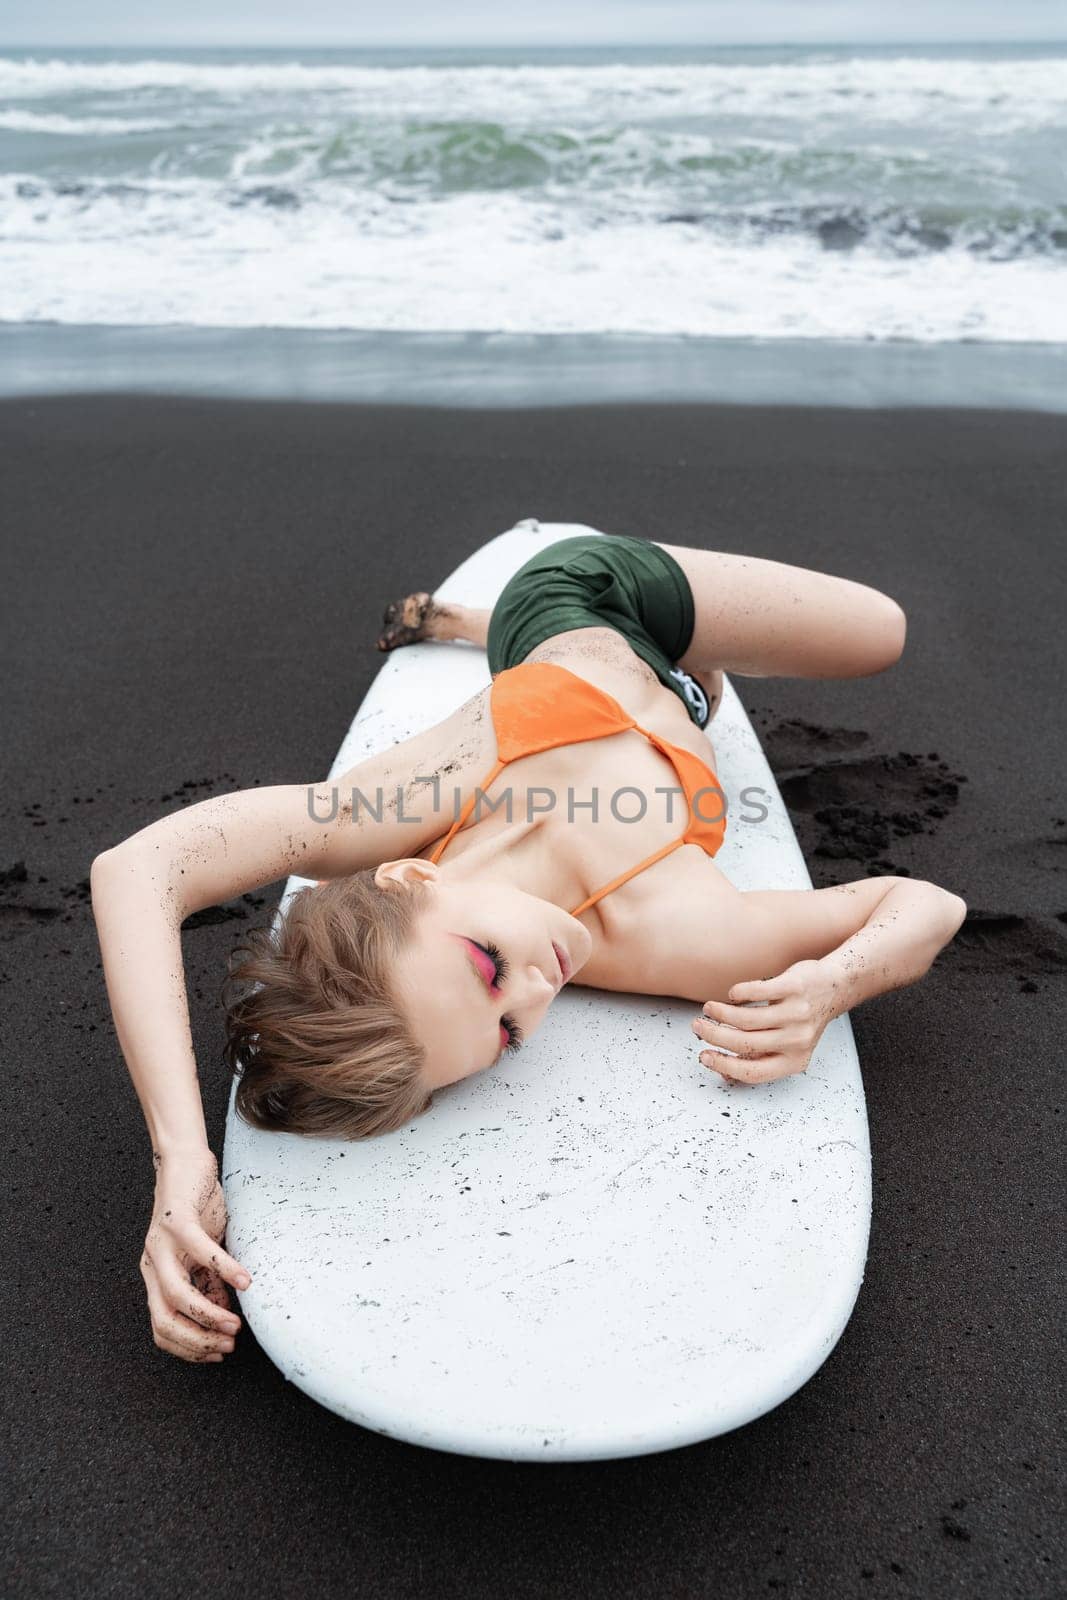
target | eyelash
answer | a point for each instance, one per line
(500, 963)
(500, 972)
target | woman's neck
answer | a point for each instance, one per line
(528, 854)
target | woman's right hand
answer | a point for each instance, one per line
(184, 1266)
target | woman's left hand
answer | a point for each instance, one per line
(771, 1040)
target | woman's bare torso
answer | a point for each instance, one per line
(632, 926)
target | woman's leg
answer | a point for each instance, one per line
(764, 619)
(420, 616)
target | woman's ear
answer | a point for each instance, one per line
(408, 869)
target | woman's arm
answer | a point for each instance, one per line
(142, 891)
(771, 1026)
(896, 945)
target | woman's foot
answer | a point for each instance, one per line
(409, 620)
(419, 616)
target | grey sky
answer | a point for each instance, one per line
(546, 22)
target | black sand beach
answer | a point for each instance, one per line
(193, 590)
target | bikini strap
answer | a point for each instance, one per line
(468, 808)
(631, 872)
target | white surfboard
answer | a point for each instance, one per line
(602, 1251)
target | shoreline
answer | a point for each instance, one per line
(523, 370)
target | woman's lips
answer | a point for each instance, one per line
(565, 968)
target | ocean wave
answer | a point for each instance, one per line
(639, 170)
(184, 206)
(76, 127)
(1007, 93)
(441, 157)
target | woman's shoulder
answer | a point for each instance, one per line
(672, 930)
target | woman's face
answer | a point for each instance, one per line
(484, 963)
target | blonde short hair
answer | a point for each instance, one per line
(320, 1043)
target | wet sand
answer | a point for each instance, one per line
(193, 594)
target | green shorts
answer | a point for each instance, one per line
(602, 581)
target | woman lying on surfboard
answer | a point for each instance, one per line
(560, 826)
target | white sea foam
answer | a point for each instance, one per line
(491, 264)
(76, 127)
(1018, 93)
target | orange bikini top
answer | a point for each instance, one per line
(539, 705)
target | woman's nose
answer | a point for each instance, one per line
(541, 988)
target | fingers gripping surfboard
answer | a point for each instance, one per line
(599, 1251)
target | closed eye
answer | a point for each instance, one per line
(491, 966)
(500, 974)
(485, 963)
(499, 960)
(514, 1033)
